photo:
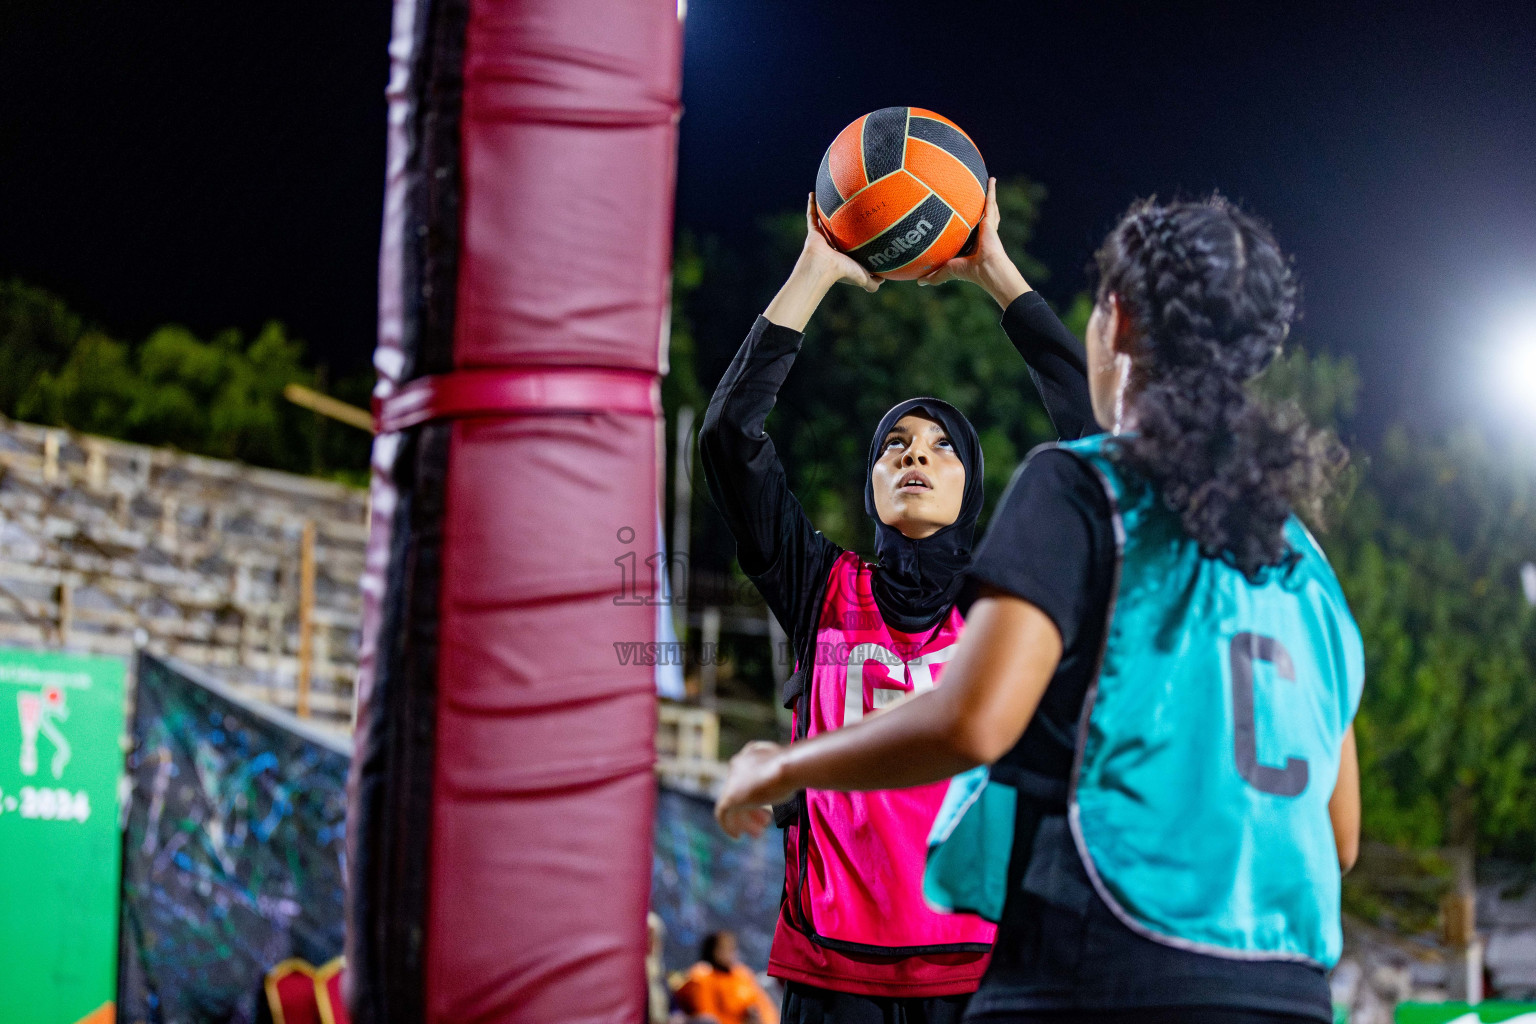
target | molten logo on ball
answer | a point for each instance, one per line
(901, 245)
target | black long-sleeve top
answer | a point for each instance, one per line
(778, 548)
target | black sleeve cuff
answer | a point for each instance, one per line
(769, 338)
(1031, 324)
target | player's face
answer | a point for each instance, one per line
(919, 479)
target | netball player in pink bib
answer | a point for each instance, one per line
(854, 941)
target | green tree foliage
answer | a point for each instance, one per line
(681, 388)
(1428, 547)
(222, 397)
(1430, 552)
(37, 334)
(1324, 388)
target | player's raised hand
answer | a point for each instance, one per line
(988, 264)
(819, 248)
(819, 267)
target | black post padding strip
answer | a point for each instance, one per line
(430, 260)
(394, 845)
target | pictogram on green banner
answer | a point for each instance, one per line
(61, 723)
(1461, 1013)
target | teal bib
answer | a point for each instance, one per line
(1209, 745)
(968, 847)
(1207, 750)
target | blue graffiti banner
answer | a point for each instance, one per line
(702, 881)
(234, 855)
(234, 850)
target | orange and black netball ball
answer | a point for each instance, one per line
(900, 190)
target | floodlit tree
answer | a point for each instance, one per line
(221, 397)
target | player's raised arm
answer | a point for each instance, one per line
(819, 267)
(1055, 358)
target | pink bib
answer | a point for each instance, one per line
(854, 861)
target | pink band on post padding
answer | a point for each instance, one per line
(551, 389)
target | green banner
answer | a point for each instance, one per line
(61, 723)
(1461, 1013)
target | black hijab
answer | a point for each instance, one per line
(918, 580)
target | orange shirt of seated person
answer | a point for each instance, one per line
(721, 987)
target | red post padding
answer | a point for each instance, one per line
(549, 214)
(569, 162)
(543, 798)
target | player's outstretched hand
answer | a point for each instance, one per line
(988, 264)
(819, 267)
(820, 250)
(753, 782)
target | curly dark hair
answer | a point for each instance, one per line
(1209, 299)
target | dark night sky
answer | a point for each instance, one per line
(221, 164)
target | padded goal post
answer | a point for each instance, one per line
(501, 795)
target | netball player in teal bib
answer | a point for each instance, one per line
(1152, 703)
